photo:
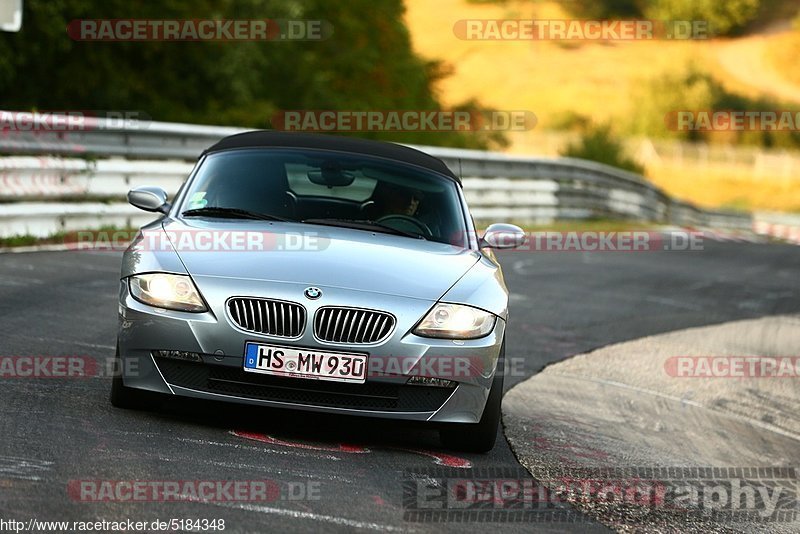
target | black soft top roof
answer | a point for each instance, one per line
(271, 138)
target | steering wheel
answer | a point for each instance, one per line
(421, 226)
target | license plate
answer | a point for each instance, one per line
(305, 363)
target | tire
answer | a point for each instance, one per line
(129, 398)
(481, 436)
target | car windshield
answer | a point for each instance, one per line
(328, 188)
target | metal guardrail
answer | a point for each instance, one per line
(99, 137)
(68, 180)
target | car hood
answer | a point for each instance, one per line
(320, 256)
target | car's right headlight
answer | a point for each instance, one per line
(169, 291)
(455, 321)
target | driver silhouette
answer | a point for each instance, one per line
(395, 200)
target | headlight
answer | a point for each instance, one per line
(170, 291)
(455, 321)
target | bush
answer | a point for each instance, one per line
(597, 143)
(723, 16)
(690, 88)
(686, 88)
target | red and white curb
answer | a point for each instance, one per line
(789, 233)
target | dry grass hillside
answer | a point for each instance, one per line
(602, 80)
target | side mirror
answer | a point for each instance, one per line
(149, 198)
(500, 236)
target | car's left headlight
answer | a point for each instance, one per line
(455, 321)
(169, 291)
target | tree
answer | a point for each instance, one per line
(366, 64)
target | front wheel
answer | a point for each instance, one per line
(481, 436)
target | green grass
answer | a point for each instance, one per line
(20, 241)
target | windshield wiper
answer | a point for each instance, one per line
(364, 224)
(231, 213)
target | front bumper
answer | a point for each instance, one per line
(220, 345)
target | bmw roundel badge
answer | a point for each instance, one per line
(312, 293)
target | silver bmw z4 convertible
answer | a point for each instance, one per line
(318, 273)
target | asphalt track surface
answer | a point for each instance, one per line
(53, 431)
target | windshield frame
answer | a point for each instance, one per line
(464, 218)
